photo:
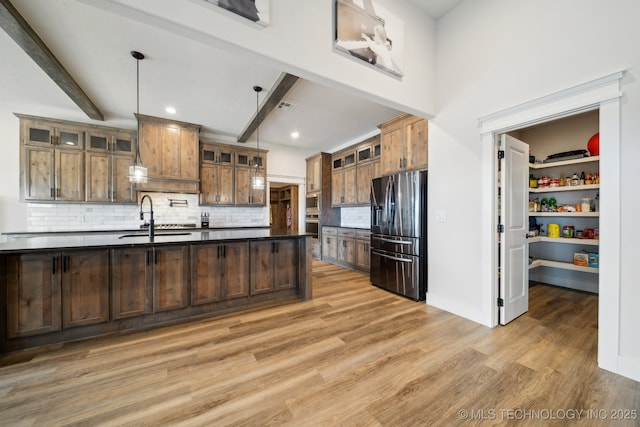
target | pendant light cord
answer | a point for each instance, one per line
(258, 89)
(138, 56)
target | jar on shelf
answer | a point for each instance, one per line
(568, 231)
(586, 205)
(575, 179)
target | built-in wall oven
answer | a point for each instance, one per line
(312, 215)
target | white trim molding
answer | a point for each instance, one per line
(605, 95)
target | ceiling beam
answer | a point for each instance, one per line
(22, 33)
(280, 89)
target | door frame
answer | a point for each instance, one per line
(603, 94)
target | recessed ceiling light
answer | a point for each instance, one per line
(170, 110)
(295, 134)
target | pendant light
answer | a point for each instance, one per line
(257, 179)
(137, 172)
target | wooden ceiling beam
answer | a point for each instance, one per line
(22, 33)
(281, 87)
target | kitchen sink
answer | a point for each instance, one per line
(155, 235)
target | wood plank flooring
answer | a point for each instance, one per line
(353, 356)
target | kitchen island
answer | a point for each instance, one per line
(65, 288)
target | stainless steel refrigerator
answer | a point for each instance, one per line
(399, 233)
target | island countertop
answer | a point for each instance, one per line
(140, 238)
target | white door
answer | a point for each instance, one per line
(514, 249)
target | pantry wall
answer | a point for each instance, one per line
(551, 253)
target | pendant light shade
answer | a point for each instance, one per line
(258, 180)
(137, 172)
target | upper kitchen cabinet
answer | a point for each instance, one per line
(343, 178)
(216, 174)
(246, 163)
(404, 144)
(65, 161)
(314, 175)
(51, 160)
(367, 168)
(108, 155)
(169, 151)
(352, 171)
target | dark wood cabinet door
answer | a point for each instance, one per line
(337, 188)
(285, 261)
(150, 148)
(206, 274)
(170, 147)
(171, 277)
(85, 287)
(69, 175)
(347, 250)
(392, 138)
(38, 177)
(363, 256)
(349, 186)
(208, 184)
(261, 267)
(131, 282)
(97, 173)
(122, 189)
(416, 150)
(225, 185)
(363, 181)
(189, 154)
(235, 269)
(33, 294)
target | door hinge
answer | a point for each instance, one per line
(500, 302)
(500, 228)
(500, 154)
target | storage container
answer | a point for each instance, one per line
(553, 230)
(581, 259)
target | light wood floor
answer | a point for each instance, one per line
(355, 355)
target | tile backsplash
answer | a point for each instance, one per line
(356, 217)
(72, 217)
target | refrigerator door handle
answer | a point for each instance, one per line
(399, 242)
(394, 258)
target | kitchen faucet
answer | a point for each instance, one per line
(146, 196)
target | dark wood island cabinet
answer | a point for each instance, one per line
(92, 286)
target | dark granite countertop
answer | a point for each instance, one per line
(139, 238)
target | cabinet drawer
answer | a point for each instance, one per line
(330, 231)
(363, 234)
(346, 232)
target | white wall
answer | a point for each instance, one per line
(299, 40)
(499, 53)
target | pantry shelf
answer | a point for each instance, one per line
(562, 265)
(564, 162)
(565, 188)
(567, 214)
(565, 240)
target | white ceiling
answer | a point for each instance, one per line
(206, 85)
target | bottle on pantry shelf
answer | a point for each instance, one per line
(562, 180)
(589, 179)
(575, 179)
(582, 178)
(533, 181)
(568, 180)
